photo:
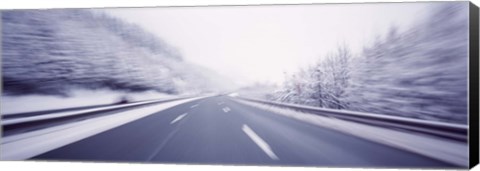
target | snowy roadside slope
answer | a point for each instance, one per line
(78, 98)
(53, 51)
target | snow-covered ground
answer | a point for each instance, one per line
(77, 98)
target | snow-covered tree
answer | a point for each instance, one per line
(52, 51)
(420, 72)
(322, 84)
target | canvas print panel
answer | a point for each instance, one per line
(326, 85)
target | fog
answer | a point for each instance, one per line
(261, 43)
(405, 59)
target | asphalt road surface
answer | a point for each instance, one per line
(219, 130)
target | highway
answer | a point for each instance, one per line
(220, 130)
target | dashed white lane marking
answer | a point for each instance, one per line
(226, 109)
(194, 106)
(178, 118)
(260, 142)
(220, 103)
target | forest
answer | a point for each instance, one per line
(53, 51)
(420, 72)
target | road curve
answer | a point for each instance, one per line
(219, 130)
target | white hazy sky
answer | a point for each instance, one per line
(261, 43)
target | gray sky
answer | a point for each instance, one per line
(260, 43)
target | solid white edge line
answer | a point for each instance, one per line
(178, 118)
(260, 142)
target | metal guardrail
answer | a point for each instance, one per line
(32, 121)
(447, 130)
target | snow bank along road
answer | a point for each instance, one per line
(225, 130)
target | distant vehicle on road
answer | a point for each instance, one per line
(124, 99)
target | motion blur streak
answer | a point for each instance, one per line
(170, 85)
